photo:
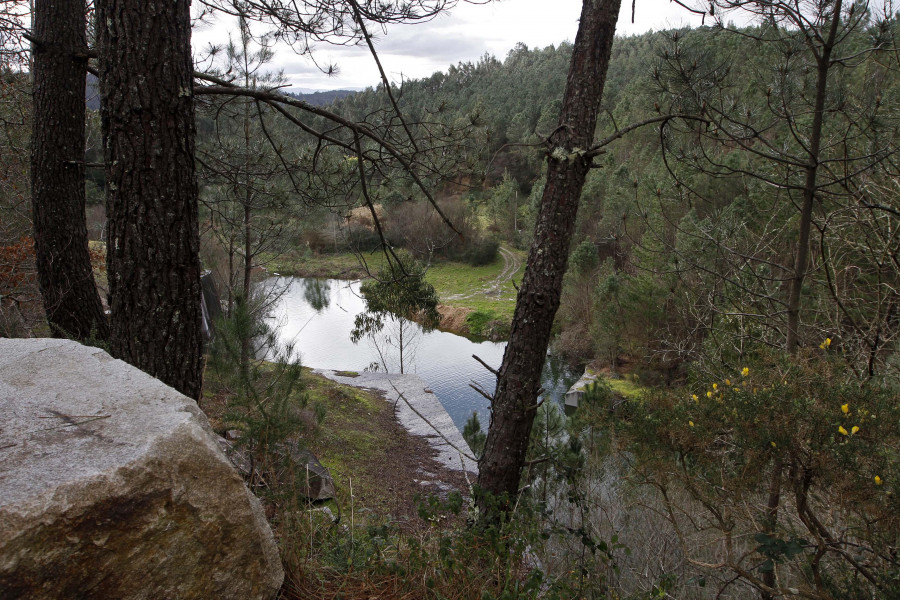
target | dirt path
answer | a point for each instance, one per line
(511, 265)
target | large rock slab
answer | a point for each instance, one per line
(112, 485)
(419, 411)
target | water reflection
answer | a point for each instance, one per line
(317, 293)
(319, 323)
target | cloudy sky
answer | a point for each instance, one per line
(464, 34)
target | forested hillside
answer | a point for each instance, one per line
(322, 98)
(721, 251)
(672, 248)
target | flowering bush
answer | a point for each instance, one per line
(783, 473)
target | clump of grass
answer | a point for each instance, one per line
(627, 388)
(347, 373)
(478, 321)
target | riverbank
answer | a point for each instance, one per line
(419, 411)
(475, 301)
(380, 458)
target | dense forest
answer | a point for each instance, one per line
(735, 259)
(671, 213)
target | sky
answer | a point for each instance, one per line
(464, 34)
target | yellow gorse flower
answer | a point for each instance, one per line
(854, 429)
(695, 398)
(845, 408)
(878, 480)
(708, 394)
(745, 371)
(715, 386)
(727, 382)
(691, 423)
(842, 431)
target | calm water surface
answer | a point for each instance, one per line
(317, 315)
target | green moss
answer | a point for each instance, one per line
(348, 436)
(626, 388)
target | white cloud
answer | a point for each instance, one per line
(465, 34)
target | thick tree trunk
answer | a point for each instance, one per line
(515, 399)
(67, 283)
(148, 127)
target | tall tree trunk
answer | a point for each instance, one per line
(247, 196)
(810, 183)
(248, 271)
(518, 383)
(770, 522)
(148, 127)
(67, 282)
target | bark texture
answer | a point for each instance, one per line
(67, 285)
(148, 127)
(518, 383)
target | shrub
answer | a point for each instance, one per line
(478, 322)
(265, 397)
(362, 239)
(481, 252)
(781, 471)
(417, 227)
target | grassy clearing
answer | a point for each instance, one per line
(459, 279)
(457, 284)
(626, 388)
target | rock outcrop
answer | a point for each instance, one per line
(311, 477)
(113, 485)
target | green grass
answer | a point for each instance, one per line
(332, 266)
(448, 278)
(453, 278)
(626, 388)
(478, 321)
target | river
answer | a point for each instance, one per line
(317, 316)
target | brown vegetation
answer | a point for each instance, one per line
(453, 319)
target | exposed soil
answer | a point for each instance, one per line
(511, 265)
(453, 319)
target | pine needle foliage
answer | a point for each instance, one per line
(266, 396)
